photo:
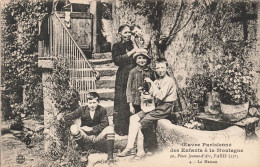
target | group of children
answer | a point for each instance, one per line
(143, 83)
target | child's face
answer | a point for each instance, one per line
(136, 31)
(93, 103)
(141, 60)
(161, 69)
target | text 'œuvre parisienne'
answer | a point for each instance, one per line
(213, 147)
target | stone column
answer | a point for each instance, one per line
(51, 138)
(96, 31)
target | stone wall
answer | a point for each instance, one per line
(183, 53)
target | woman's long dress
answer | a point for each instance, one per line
(121, 107)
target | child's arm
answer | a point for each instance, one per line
(148, 80)
(165, 90)
(132, 109)
(68, 118)
(120, 59)
(129, 96)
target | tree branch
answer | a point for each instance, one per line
(173, 35)
(176, 21)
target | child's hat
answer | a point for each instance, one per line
(142, 52)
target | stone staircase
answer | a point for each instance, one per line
(102, 62)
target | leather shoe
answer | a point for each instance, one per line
(124, 153)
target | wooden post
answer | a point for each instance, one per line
(93, 10)
(40, 49)
(114, 22)
(257, 61)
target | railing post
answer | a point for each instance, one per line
(40, 49)
(81, 73)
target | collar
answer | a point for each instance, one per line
(141, 69)
(165, 77)
(88, 109)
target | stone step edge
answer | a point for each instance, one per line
(100, 61)
(102, 90)
(103, 78)
(97, 69)
(106, 54)
(108, 78)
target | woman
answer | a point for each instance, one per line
(122, 54)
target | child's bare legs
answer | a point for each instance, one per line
(140, 143)
(134, 128)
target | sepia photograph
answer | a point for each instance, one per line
(130, 83)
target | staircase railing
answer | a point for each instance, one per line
(81, 73)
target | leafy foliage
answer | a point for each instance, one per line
(233, 77)
(224, 50)
(19, 32)
(197, 87)
(63, 148)
(65, 98)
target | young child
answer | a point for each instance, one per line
(164, 90)
(142, 40)
(94, 125)
(136, 80)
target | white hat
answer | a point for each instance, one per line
(142, 52)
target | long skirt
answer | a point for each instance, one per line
(121, 107)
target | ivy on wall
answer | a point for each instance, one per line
(21, 76)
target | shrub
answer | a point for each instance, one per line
(20, 35)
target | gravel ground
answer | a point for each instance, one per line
(12, 147)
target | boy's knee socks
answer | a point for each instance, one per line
(110, 145)
(80, 141)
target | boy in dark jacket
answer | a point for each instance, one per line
(94, 125)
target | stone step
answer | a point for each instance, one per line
(106, 82)
(109, 105)
(104, 93)
(102, 55)
(106, 65)
(100, 61)
(106, 71)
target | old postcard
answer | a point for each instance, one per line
(130, 83)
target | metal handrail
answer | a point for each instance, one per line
(80, 50)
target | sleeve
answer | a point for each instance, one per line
(129, 96)
(117, 57)
(153, 75)
(103, 122)
(164, 91)
(74, 115)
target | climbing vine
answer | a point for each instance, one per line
(21, 76)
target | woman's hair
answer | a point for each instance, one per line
(120, 29)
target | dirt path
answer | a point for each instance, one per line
(12, 147)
